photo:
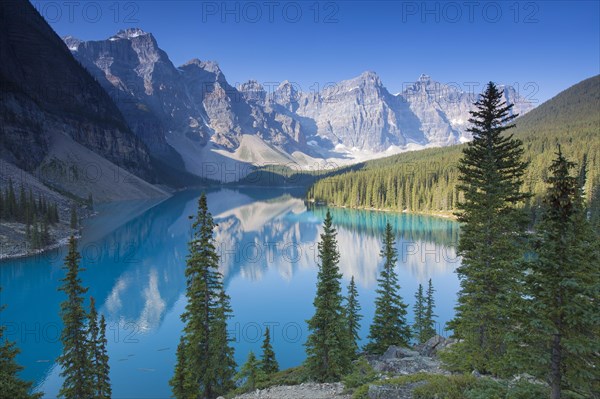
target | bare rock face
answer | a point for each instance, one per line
(358, 113)
(45, 90)
(443, 109)
(195, 101)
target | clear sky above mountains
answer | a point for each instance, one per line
(542, 47)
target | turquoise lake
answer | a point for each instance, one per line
(134, 254)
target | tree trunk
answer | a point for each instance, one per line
(556, 371)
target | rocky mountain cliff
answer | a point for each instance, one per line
(45, 90)
(196, 111)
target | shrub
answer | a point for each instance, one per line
(361, 392)
(362, 373)
(445, 387)
(291, 376)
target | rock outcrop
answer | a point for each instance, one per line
(44, 90)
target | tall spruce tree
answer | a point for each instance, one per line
(74, 222)
(205, 365)
(74, 360)
(564, 282)
(268, 362)
(419, 311)
(491, 239)
(429, 316)
(98, 354)
(353, 316)
(11, 385)
(389, 326)
(328, 346)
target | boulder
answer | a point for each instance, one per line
(434, 345)
(402, 361)
(395, 352)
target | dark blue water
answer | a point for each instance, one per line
(134, 254)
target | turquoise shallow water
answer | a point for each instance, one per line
(134, 255)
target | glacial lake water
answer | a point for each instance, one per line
(134, 255)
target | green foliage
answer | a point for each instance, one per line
(419, 308)
(361, 392)
(251, 375)
(178, 382)
(11, 386)
(492, 232)
(37, 216)
(445, 387)
(74, 221)
(353, 317)
(486, 388)
(268, 361)
(562, 323)
(97, 342)
(75, 360)
(205, 367)
(24, 207)
(291, 376)
(328, 346)
(429, 317)
(389, 326)
(427, 180)
(424, 325)
(362, 373)
(429, 386)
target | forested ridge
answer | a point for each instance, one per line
(426, 181)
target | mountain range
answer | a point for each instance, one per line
(116, 119)
(428, 181)
(192, 118)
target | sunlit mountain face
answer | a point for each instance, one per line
(135, 252)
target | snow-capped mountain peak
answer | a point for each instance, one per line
(130, 33)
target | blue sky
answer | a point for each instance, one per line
(542, 47)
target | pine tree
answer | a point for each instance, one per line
(492, 232)
(251, 375)
(353, 316)
(221, 349)
(74, 220)
(205, 365)
(11, 386)
(389, 326)
(179, 381)
(429, 315)
(22, 210)
(45, 237)
(31, 210)
(328, 345)
(564, 286)
(98, 354)
(11, 201)
(35, 234)
(74, 360)
(419, 310)
(268, 362)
